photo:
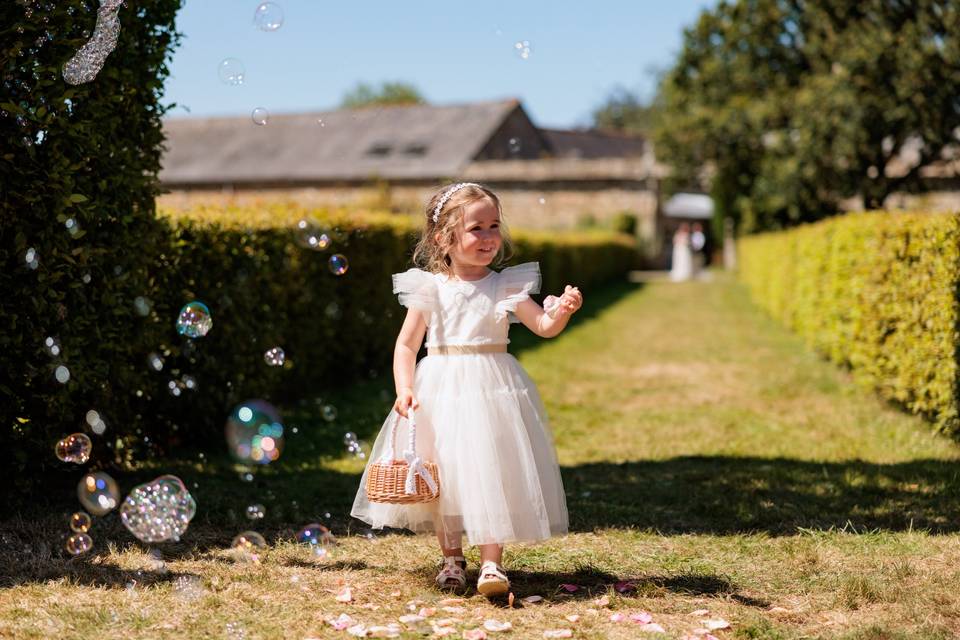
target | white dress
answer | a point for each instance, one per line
(681, 268)
(480, 419)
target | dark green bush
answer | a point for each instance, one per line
(877, 292)
(625, 222)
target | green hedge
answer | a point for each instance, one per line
(877, 292)
(264, 290)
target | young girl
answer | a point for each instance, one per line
(478, 414)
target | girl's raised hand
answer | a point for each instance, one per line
(571, 300)
(405, 400)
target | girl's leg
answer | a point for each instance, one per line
(452, 569)
(450, 544)
(491, 552)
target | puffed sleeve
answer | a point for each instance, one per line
(417, 289)
(514, 285)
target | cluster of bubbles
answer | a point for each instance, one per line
(95, 422)
(256, 512)
(142, 305)
(275, 357)
(98, 493)
(52, 346)
(254, 432)
(513, 144)
(159, 510)
(79, 541)
(194, 320)
(31, 259)
(522, 48)
(310, 236)
(87, 62)
(75, 448)
(354, 447)
(260, 116)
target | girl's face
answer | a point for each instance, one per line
(478, 238)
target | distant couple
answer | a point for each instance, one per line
(688, 255)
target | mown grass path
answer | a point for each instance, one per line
(711, 462)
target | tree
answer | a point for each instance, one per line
(364, 95)
(793, 105)
(623, 110)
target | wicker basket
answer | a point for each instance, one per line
(402, 481)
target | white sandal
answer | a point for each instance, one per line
(493, 581)
(452, 573)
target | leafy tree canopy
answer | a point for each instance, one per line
(623, 110)
(785, 107)
(389, 93)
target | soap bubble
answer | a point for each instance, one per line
(98, 493)
(31, 258)
(256, 512)
(309, 236)
(194, 320)
(514, 145)
(255, 432)
(79, 543)
(260, 116)
(72, 227)
(52, 346)
(231, 71)
(274, 357)
(189, 382)
(97, 425)
(318, 537)
(142, 305)
(329, 412)
(338, 264)
(80, 522)
(61, 374)
(74, 448)
(248, 544)
(542, 201)
(522, 49)
(159, 510)
(349, 437)
(155, 362)
(268, 16)
(188, 587)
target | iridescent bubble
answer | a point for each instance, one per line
(189, 382)
(159, 510)
(31, 258)
(98, 493)
(52, 346)
(329, 412)
(318, 537)
(80, 522)
(338, 264)
(155, 362)
(194, 320)
(349, 437)
(231, 71)
(97, 425)
(142, 305)
(514, 145)
(254, 432)
(72, 227)
(175, 387)
(274, 357)
(61, 374)
(310, 236)
(79, 543)
(522, 49)
(74, 448)
(256, 512)
(260, 116)
(268, 16)
(249, 544)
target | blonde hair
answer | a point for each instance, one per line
(432, 252)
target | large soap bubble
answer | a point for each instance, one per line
(248, 546)
(159, 510)
(74, 448)
(318, 537)
(80, 522)
(98, 493)
(79, 543)
(194, 320)
(268, 16)
(255, 432)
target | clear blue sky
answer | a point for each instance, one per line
(453, 52)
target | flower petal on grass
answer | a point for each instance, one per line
(641, 618)
(341, 623)
(411, 618)
(569, 588)
(441, 631)
(426, 612)
(713, 625)
(453, 609)
(345, 595)
(625, 586)
(496, 625)
(558, 633)
(700, 612)
(510, 599)
(451, 601)
(652, 627)
(573, 617)
(391, 630)
(474, 634)
(618, 617)
(531, 599)
(358, 630)
(603, 601)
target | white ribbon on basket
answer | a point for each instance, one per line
(414, 462)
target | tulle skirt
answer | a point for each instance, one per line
(482, 422)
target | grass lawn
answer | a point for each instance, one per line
(715, 470)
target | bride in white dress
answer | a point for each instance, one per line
(681, 267)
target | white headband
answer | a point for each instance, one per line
(446, 196)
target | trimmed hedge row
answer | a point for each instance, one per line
(263, 290)
(877, 292)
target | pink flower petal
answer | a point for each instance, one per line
(496, 625)
(440, 631)
(602, 601)
(411, 618)
(700, 612)
(625, 586)
(426, 612)
(569, 588)
(573, 617)
(345, 595)
(451, 601)
(713, 625)
(531, 599)
(453, 609)
(652, 627)
(340, 623)
(641, 618)
(358, 630)
(617, 617)
(474, 634)
(558, 633)
(391, 630)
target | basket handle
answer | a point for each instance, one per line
(414, 463)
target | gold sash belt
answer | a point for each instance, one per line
(463, 349)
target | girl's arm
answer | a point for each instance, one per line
(536, 319)
(405, 360)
